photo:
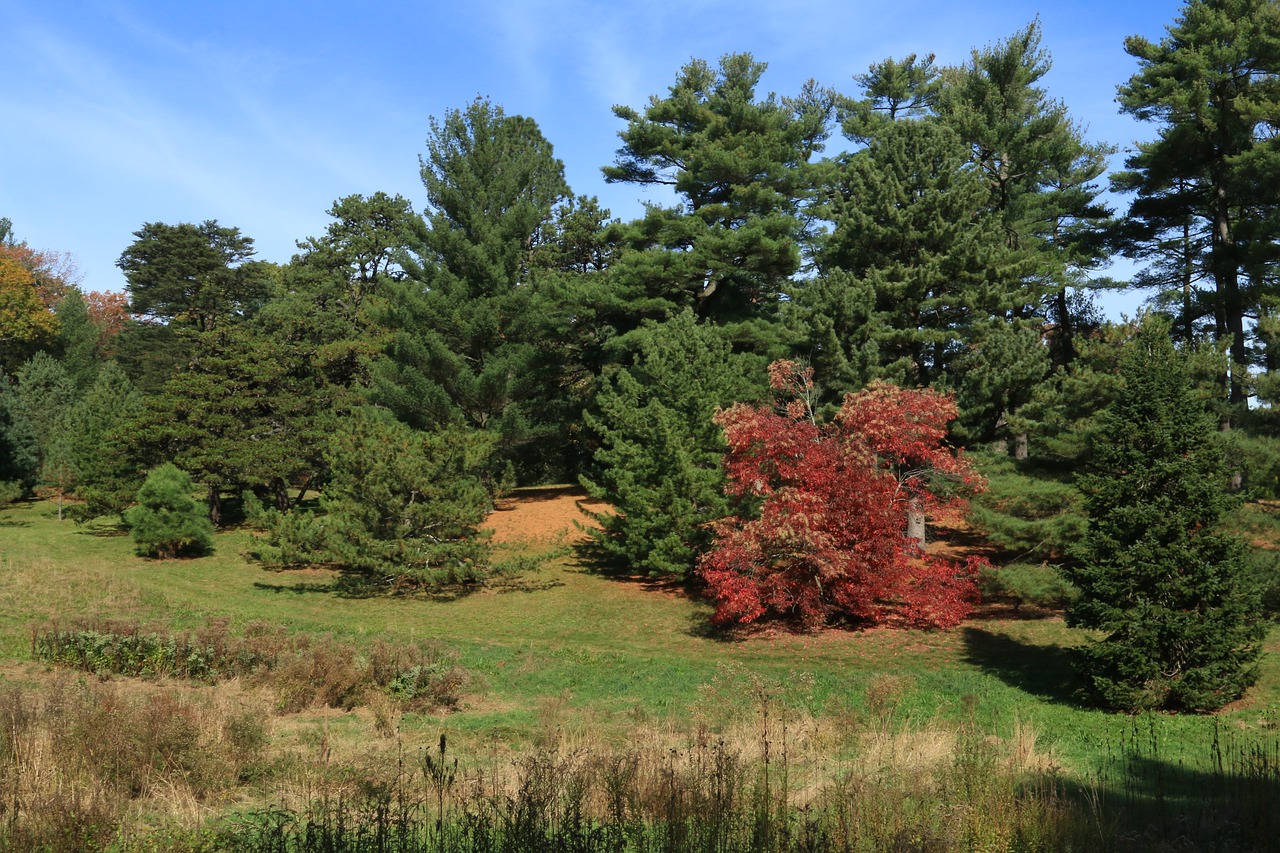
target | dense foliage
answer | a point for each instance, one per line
(658, 462)
(398, 503)
(166, 522)
(1170, 591)
(822, 530)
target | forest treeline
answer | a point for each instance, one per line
(937, 227)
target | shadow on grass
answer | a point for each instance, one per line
(355, 584)
(299, 588)
(523, 584)
(590, 558)
(104, 529)
(1043, 671)
(15, 524)
(1223, 798)
(701, 626)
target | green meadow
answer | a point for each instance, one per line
(577, 662)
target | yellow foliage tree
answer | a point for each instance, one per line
(26, 323)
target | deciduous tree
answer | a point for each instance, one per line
(26, 323)
(822, 533)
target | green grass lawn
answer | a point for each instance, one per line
(606, 652)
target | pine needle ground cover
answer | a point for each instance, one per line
(564, 652)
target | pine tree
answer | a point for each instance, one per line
(910, 231)
(247, 410)
(19, 449)
(467, 323)
(101, 436)
(167, 521)
(44, 395)
(78, 338)
(398, 503)
(740, 164)
(1205, 185)
(1039, 170)
(1168, 589)
(659, 458)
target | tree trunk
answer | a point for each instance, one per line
(1020, 447)
(215, 506)
(1225, 262)
(915, 523)
(281, 491)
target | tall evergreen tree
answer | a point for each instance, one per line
(336, 292)
(44, 393)
(1164, 584)
(78, 340)
(910, 229)
(197, 276)
(1040, 172)
(102, 434)
(184, 280)
(1212, 87)
(468, 320)
(246, 412)
(739, 164)
(19, 449)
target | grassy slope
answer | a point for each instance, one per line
(603, 652)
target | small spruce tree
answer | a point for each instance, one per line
(167, 521)
(1166, 587)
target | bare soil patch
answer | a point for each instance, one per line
(545, 512)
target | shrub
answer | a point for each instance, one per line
(399, 503)
(1036, 584)
(1026, 510)
(167, 522)
(303, 670)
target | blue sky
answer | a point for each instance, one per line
(261, 114)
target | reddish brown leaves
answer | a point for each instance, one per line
(829, 541)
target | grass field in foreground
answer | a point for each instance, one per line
(593, 651)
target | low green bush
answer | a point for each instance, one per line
(1035, 584)
(1025, 510)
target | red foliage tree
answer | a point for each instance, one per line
(827, 537)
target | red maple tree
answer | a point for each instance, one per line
(822, 531)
